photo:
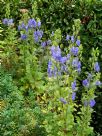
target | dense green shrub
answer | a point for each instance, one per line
(19, 115)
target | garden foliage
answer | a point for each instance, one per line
(50, 68)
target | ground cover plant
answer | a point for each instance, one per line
(47, 87)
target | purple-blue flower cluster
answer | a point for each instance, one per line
(76, 64)
(96, 67)
(63, 100)
(23, 36)
(45, 43)
(73, 96)
(91, 103)
(52, 70)
(32, 23)
(58, 58)
(73, 84)
(35, 26)
(72, 38)
(98, 83)
(56, 53)
(74, 50)
(8, 22)
(85, 83)
(38, 35)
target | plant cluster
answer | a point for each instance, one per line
(47, 86)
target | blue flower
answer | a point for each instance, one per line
(19, 28)
(43, 44)
(38, 35)
(49, 70)
(78, 42)
(36, 38)
(63, 59)
(73, 84)
(74, 50)
(72, 39)
(32, 23)
(85, 83)
(63, 100)
(23, 25)
(79, 67)
(23, 36)
(5, 21)
(39, 24)
(8, 21)
(96, 67)
(76, 64)
(67, 37)
(63, 68)
(56, 53)
(73, 96)
(68, 56)
(92, 103)
(26, 27)
(98, 83)
(48, 42)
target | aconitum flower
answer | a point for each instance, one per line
(73, 96)
(39, 24)
(76, 63)
(74, 50)
(32, 23)
(85, 83)
(63, 100)
(23, 25)
(79, 66)
(63, 68)
(38, 35)
(19, 28)
(36, 38)
(56, 53)
(68, 56)
(92, 103)
(63, 59)
(72, 39)
(43, 44)
(67, 37)
(48, 42)
(78, 42)
(5, 21)
(96, 67)
(8, 21)
(73, 84)
(98, 83)
(23, 36)
(49, 69)
(26, 27)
